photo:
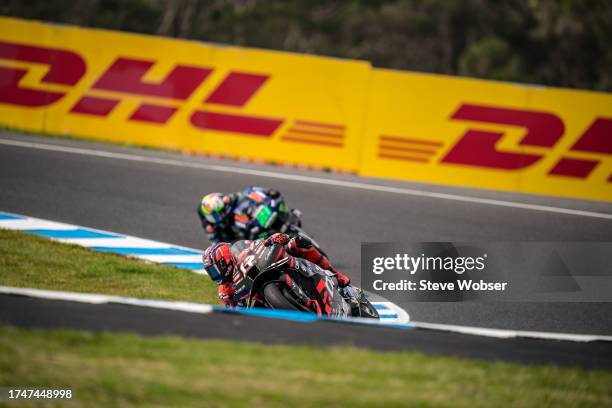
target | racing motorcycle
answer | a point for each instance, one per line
(278, 281)
(267, 215)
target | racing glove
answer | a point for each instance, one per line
(210, 234)
(226, 295)
(278, 238)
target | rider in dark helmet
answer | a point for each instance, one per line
(230, 217)
(222, 266)
(215, 211)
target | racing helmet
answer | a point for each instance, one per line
(215, 207)
(219, 262)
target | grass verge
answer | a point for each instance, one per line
(35, 262)
(122, 370)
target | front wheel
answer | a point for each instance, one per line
(366, 310)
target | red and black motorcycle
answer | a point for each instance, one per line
(280, 281)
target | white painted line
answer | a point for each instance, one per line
(169, 258)
(306, 179)
(508, 334)
(33, 223)
(55, 295)
(204, 309)
(127, 242)
(102, 299)
(121, 241)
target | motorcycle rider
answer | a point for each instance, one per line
(222, 266)
(221, 224)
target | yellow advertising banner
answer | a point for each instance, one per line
(485, 134)
(280, 107)
(299, 109)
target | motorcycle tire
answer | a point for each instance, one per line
(276, 300)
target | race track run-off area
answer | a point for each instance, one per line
(153, 196)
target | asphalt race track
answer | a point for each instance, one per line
(157, 200)
(43, 313)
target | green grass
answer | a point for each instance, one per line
(34, 262)
(121, 370)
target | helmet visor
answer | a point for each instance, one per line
(214, 217)
(215, 272)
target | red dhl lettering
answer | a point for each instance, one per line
(543, 129)
(126, 77)
(65, 68)
(477, 147)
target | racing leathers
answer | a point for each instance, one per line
(235, 292)
(240, 221)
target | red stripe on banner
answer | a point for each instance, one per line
(126, 75)
(408, 158)
(65, 67)
(312, 132)
(478, 148)
(597, 138)
(11, 93)
(406, 149)
(319, 124)
(543, 128)
(91, 105)
(236, 89)
(573, 167)
(389, 138)
(153, 113)
(224, 122)
(311, 141)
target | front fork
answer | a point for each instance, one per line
(353, 296)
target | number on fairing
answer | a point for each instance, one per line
(247, 264)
